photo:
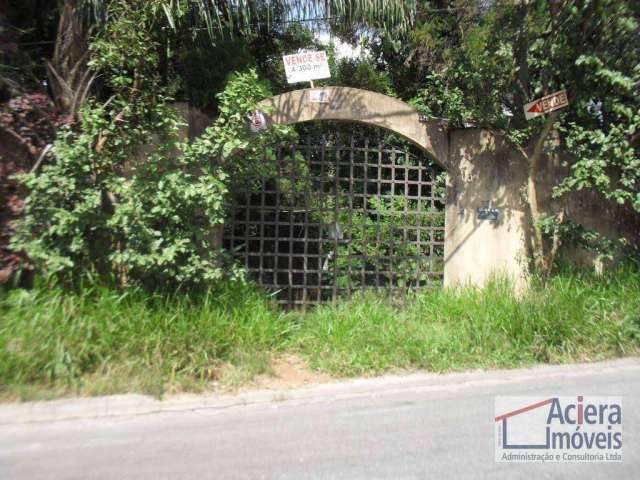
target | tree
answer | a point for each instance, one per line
(127, 104)
(483, 61)
(115, 206)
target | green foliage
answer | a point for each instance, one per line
(479, 63)
(440, 99)
(606, 160)
(389, 233)
(576, 235)
(243, 157)
(602, 130)
(372, 231)
(386, 228)
(487, 64)
(361, 73)
(206, 69)
(99, 341)
(269, 46)
(200, 69)
(246, 16)
(125, 197)
(571, 317)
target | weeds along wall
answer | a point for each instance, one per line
(488, 226)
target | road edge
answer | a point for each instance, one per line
(135, 404)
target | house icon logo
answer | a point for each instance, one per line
(558, 429)
(504, 421)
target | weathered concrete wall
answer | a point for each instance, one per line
(485, 171)
(355, 105)
(196, 121)
(590, 210)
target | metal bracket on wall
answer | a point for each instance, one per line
(488, 213)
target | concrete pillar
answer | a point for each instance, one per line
(485, 172)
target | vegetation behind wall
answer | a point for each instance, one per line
(108, 81)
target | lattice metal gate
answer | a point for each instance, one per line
(335, 218)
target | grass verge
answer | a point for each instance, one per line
(101, 341)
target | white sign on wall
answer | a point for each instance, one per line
(319, 96)
(306, 66)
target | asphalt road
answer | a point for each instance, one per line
(414, 427)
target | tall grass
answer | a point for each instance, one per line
(104, 341)
(99, 340)
(570, 317)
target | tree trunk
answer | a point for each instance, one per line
(542, 261)
(521, 49)
(68, 73)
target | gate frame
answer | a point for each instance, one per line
(341, 172)
(483, 171)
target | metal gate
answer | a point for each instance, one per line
(339, 217)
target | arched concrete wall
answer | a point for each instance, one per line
(483, 171)
(363, 106)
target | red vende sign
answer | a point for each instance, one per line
(546, 104)
(307, 57)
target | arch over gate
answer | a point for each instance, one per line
(363, 106)
(484, 172)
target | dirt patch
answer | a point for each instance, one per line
(289, 371)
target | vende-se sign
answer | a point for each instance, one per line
(546, 104)
(306, 66)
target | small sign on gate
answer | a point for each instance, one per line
(257, 122)
(319, 96)
(546, 104)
